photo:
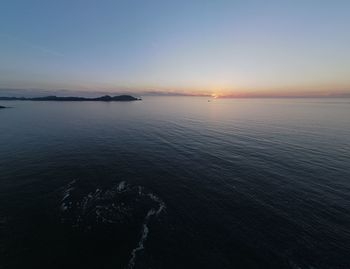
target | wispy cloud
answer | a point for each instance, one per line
(36, 47)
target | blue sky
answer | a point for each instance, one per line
(224, 47)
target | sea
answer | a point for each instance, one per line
(175, 182)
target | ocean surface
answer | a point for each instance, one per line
(175, 182)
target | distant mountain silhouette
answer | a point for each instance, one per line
(105, 98)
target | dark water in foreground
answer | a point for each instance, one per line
(175, 183)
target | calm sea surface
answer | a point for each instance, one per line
(173, 182)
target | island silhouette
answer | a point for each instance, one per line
(105, 98)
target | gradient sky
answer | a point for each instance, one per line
(237, 48)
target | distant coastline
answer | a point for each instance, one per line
(105, 98)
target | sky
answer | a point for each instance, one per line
(206, 47)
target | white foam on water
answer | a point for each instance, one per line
(64, 207)
(100, 206)
(159, 201)
(145, 229)
(140, 245)
(66, 195)
(121, 186)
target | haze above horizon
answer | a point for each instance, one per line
(219, 48)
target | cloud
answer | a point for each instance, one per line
(36, 47)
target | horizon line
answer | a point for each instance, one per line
(30, 92)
